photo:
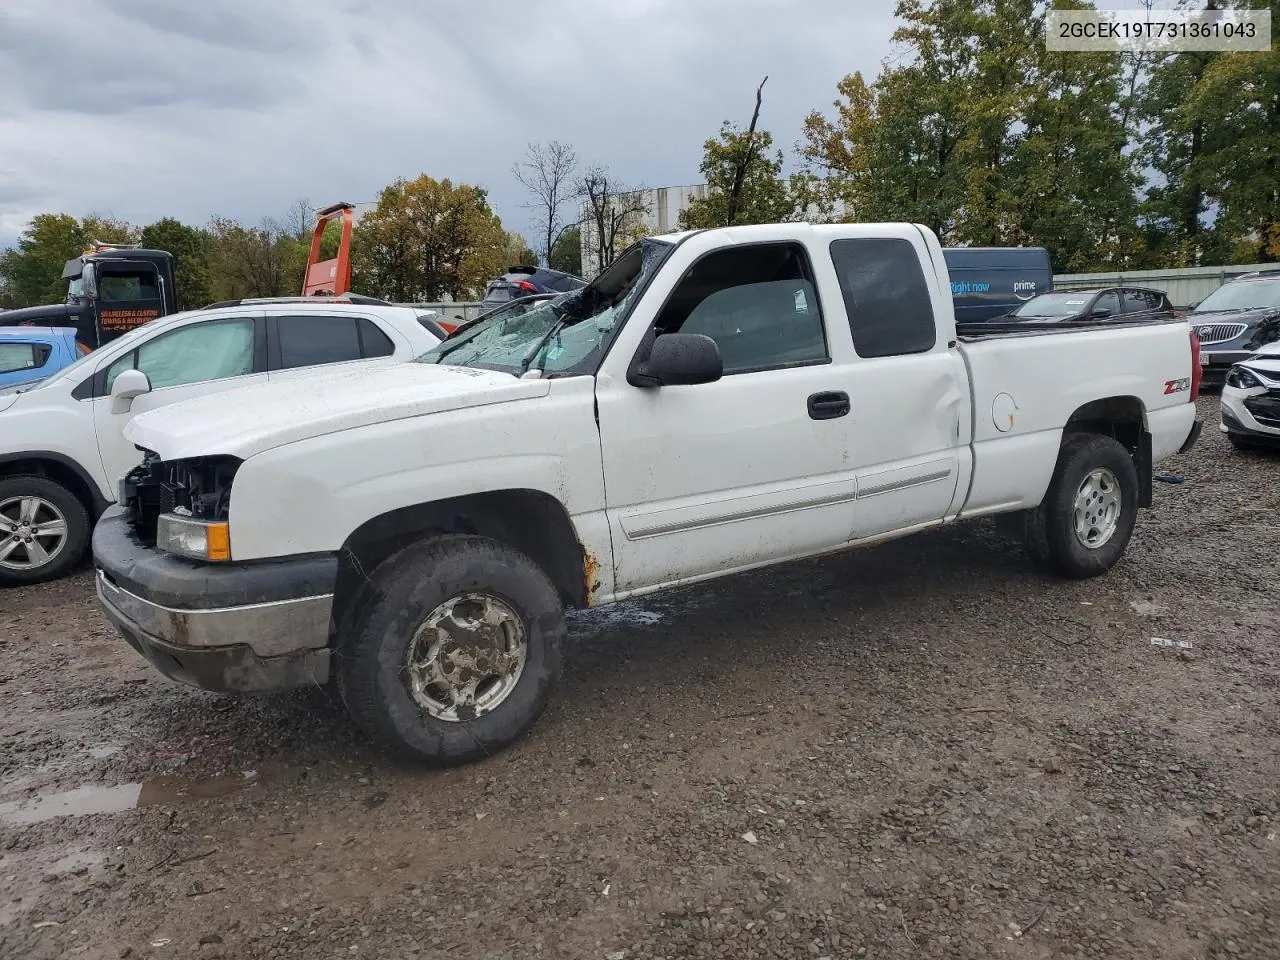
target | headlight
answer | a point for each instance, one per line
(1242, 379)
(198, 539)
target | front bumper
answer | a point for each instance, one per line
(245, 627)
(1216, 364)
(1237, 418)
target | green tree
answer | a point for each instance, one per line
(104, 228)
(32, 270)
(427, 240)
(763, 196)
(983, 135)
(1068, 180)
(519, 253)
(1174, 146)
(1237, 100)
(889, 153)
(262, 261)
(192, 249)
(566, 255)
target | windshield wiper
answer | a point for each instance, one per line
(561, 322)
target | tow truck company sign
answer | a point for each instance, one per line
(122, 320)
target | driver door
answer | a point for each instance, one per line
(192, 360)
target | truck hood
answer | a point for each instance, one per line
(248, 420)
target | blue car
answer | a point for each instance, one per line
(28, 354)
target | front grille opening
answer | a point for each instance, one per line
(199, 487)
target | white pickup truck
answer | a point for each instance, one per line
(715, 401)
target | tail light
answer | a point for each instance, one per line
(1197, 372)
(526, 286)
(448, 326)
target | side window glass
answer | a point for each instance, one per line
(1140, 300)
(119, 366)
(15, 357)
(309, 341)
(885, 295)
(757, 302)
(193, 354)
(1108, 301)
(373, 342)
(118, 287)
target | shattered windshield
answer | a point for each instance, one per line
(562, 336)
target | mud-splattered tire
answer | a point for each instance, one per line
(437, 616)
(1087, 516)
(53, 508)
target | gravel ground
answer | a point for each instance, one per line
(920, 750)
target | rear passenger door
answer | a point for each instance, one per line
(299, 342)
(911, 419)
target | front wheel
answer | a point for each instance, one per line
(1083, 525)
(44, 530)
(456, 653)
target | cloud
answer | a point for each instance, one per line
(149, 108)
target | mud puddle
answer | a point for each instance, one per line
(101, 800)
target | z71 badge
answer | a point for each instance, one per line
(1177, 386)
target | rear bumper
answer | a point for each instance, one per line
(230, 627)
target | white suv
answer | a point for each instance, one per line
(61, 448)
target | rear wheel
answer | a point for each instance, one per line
(1083, 525)
(456, 652)
(44, 530)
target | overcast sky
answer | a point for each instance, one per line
(148, 108)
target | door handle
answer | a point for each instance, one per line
(829, 405)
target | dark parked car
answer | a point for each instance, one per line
(1235, 321)
(522, 281)
(1127, 303)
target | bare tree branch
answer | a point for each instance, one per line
(740, 174)
(611, 209)
(546, 172)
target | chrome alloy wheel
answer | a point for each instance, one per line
(32, 533)
(466, 657)
(1097, 508)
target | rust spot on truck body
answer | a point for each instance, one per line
(590, 575)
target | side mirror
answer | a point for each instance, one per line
(680, 359)
(89, 281)
(1100, 313)
(129, 384)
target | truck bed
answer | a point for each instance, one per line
(991, 330)
(1029, 379)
